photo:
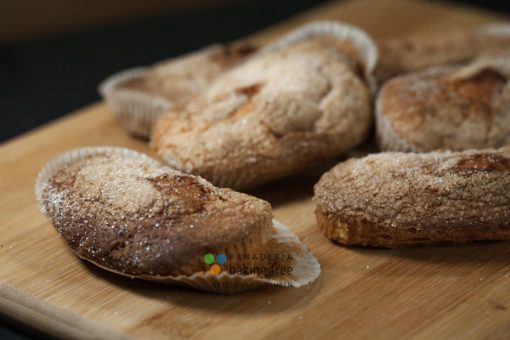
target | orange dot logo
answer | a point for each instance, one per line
(215, 269)
(214, 262)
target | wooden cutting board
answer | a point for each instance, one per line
(421, 292)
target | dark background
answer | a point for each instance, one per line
(44, 78)
(53, 56)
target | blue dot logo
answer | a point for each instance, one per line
(221, 259)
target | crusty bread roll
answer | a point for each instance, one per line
(139, 95)
(404, 199)
(179, 79)
(291, 106)
(452, 107)
(129, 214)
(399, 55)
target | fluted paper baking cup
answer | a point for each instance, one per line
(137, 111)
(305, 267)
(499, 29)
(359, 39)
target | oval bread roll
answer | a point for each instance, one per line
(404, 199)
(455, 107)
(139, 95)
(179, 79)
(283, 110)
(125, 212)
(410, 53)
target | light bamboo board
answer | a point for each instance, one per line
(421, 292)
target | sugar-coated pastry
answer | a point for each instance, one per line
(399, 55)
(139, 95)
(450, 107)
(302, 100)
(127, 213)
(404, 199)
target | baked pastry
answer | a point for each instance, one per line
(399, 55)
(127, 213)
(139, 95)
(453, 107)
(298, 102)
(405, 199)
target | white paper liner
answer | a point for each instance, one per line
(500, 64)
(499, 29)
(218, 178)
(137, 111)
(305, 267)
(357, 37)
(242, 179)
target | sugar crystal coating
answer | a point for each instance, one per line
(138, 217)
(273, 115)
(395, 199)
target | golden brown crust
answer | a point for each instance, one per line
(139, 218)
(398, 199)
(446, 107)
(276, 114)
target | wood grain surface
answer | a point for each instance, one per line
(418, 292)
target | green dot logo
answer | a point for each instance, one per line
(215, 262)
(209, 259)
